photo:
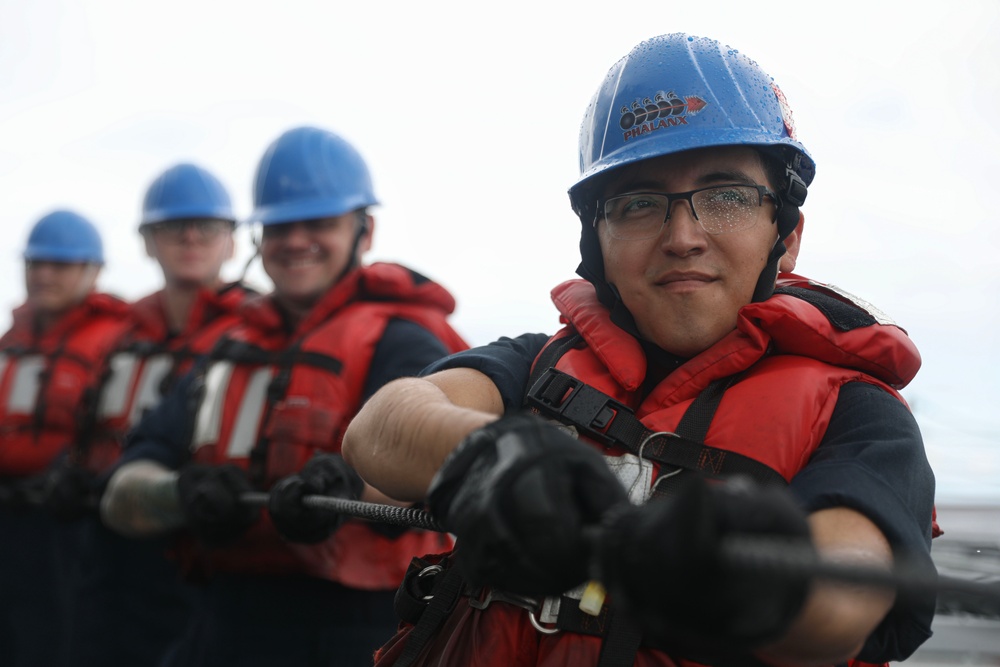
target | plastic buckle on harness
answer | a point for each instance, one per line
(558, 393)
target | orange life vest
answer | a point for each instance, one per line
(782, 367)
(147, 361)
(45, 380)
(271, 399)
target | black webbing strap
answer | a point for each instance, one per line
(573, 619)
(562, 397)
(552, 353)
(843, 315)
(276, 390)
(241, 352)
(447, 591)
(15, 351)
(621, 643)
(698, 417)
(44, 377)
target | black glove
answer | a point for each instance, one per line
(661, 563)
(210, 500)
(520, 494)
(71, 493)
(323, 475)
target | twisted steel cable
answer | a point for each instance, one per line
(747, 553)
(390, 514)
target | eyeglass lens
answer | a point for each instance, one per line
(316, 226)
(721, 209)
(206, 229)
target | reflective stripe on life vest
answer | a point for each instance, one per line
(22, 396)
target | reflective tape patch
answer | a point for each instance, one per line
(115, 392)
(23, 393)
(208, 422)
(148, 392)
(244, 435)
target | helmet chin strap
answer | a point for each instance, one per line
(360, 229)
(787, 219)
(591, 269)
(765, 282)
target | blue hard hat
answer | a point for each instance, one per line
(185, 191)
(309, 173)
(674, 93)
(64, 236)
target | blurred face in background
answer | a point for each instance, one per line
(190, 252)
(304, 259)
(55, 287)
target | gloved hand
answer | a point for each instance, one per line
(661, 562)
(519, 493)
(323, 475)
(210, 499)
(70, 493)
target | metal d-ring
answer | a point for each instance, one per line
(541, 628)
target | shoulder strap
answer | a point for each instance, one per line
(445, 594)
(560, 396)
(242, 352)
(551, 354)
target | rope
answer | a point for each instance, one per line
(747, 553)
(390, 514)
(792, 560)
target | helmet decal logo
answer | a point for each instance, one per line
(662, 111)
(786, 112)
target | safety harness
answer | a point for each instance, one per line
(431, 589)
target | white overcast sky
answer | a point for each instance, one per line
(468, 116)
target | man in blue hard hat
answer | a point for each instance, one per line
(598, 481)
(266, 412)
(131, 602)
(53, 353)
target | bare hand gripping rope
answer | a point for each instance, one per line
(753, 554)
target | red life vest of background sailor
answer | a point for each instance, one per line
(148, 360)
(272, 399)
(44, 380)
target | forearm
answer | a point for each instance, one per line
(400, 438)
(837, 618)
(141, 500)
